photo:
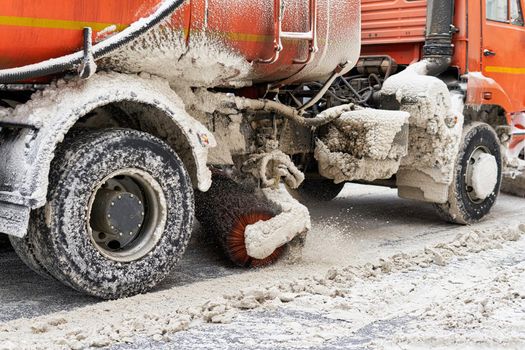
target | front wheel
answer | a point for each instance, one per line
(119, 214)
(477, 176)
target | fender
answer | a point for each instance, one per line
(435, 130)
(482, 90)
(26, 154)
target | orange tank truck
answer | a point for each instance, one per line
(122, 121)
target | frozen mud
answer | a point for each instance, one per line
(364, 144)
(431, 285)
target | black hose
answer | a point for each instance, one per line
(438, 49)
(69, 62)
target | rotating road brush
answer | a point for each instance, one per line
(226, 210)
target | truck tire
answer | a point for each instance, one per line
(316, 190)
(472, 196)
(119, 213)
(26, 252)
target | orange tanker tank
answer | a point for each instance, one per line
(218, 42)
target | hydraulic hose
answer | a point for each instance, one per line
(104, 48)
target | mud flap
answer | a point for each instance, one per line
(14, 219)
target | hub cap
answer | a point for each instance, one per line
(127, 215)
(481, 175)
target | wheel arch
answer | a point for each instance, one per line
(149, 104)
(484, 91)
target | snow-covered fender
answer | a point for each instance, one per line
(435, 129)
(26, 154)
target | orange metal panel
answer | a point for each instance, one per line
(393, 27)
(393, 21)
(397, 28)
(36, 30)
(461, 42)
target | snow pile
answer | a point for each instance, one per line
(5, 112)
(365, 144)
(476, 313)
(346, 292)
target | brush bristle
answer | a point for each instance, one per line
(225, 211)
(235, 242)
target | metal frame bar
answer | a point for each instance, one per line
(311, 35)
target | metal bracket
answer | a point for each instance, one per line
(279, 35)
(88, 66)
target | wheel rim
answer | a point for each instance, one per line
(481, 175)
(127, 215)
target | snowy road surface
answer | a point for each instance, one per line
(377, 272)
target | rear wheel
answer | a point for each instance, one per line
(477, 177)
(119, 214)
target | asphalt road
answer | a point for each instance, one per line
(362, 224)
